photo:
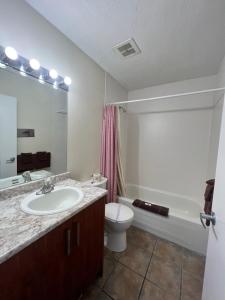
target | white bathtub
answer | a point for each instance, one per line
(182, 226)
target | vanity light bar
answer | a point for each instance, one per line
(10, 58)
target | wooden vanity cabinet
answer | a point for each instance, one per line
(60, 264)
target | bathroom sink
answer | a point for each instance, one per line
(59, 200)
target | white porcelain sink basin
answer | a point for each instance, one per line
(59, 200)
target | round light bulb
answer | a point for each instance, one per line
(67, 80)
(34, 63)
(53, 74)
(11, 53)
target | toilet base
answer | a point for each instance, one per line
(117, 241)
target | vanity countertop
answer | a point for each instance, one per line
(18, 229)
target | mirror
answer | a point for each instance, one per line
(33, 129)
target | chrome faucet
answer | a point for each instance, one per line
(26, 176)
(47, 187)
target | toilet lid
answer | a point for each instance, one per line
(118, 212)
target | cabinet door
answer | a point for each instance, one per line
(32, 266)
(56, 262)
(22, 277)
(10, 283)
(94, 240)
(74, 268)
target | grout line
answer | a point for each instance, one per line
(147, 270)
(102, 288)
(130, 269)
(107, 294)
(181, 280)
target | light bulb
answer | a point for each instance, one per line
(41, 79)
(34, 63)
(11, 53)
(67, 80)
(53, 74)
(55, 85)
(22, 71)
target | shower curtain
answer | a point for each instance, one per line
(120, 175)
(111, 166)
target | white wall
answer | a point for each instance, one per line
(221, 74)
(216, 122)
(114, 92)
(32, 36)
(214, 137)
(168, 141)
(175, 87)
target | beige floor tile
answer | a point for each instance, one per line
(165, 275)
(168, 252)
(136, 258)
(123, 284)
(191, 287)
(152, 292)
(141, 238)
(103, 296)
(94, 293)
(193, 263)
(109, 266)
(111, 254)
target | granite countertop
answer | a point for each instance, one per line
(18, 229)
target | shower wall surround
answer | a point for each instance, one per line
(169, 141)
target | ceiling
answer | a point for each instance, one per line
(179, 39)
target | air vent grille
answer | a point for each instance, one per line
(127, 49)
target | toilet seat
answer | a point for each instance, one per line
(116, 212)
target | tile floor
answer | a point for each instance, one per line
(150, 269)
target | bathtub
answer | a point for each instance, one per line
(183, 225)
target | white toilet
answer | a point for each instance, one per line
(118, 218)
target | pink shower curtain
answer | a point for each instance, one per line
(109, 147)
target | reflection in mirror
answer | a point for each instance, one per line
(33, 129)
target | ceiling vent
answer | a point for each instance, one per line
(127, 49)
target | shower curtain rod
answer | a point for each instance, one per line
(167, 96)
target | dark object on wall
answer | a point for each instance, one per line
(33, 161)
(25, 132)
(25, 162)
(209, 198)
(42, 160)
(156, 209)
